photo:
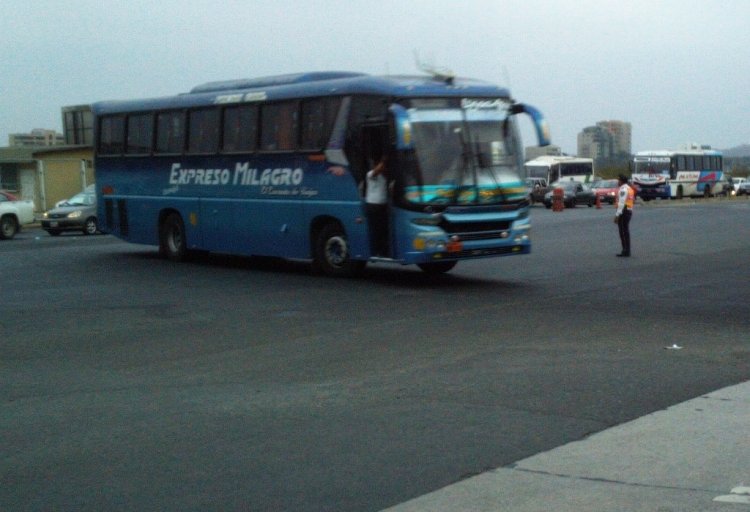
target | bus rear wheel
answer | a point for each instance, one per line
(437, 267)
(332, 253)
(172, 243)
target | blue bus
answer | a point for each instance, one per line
(276, 166)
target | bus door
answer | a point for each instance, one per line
(376, 148)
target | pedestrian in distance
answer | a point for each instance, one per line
(625, 201)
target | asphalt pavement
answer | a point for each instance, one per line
(694, 456)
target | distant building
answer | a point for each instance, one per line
(45, 166)
(78, 125)
(621, 135)
(533, 152)
(607, 141)
(36, 138)
(595, 142)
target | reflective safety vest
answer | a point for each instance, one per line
(629, 200)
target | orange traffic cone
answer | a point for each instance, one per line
(598, 202)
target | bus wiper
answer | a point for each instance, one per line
(467, 163)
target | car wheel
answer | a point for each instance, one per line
(53, 232)
(8, 227)
(172, 240)
(90, 227)
(437, 267)
(332, 254)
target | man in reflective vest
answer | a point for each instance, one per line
(625, 202)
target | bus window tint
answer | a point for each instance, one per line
(140, 133)
(240, 128)
(170, 132)
(111, 135)
(203, 132)
(279, 126)
(318, 118)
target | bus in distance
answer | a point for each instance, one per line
(277, 166)
(675, 174)
(560, 168)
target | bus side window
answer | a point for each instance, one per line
(279, 126)
(170, 132)
(111, 135)
(318, 118)
(240, 128)
(140, 133)
(203, 130)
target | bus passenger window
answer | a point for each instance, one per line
(203, 132)
(240, 128)
(318, 118)
(170, 132)
(279, 126)
(140, 133)
(111, 135)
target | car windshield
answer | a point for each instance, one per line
(567, 185)
(82, 199)
(604, 184)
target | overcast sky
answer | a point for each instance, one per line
(679, 71)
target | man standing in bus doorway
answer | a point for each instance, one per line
(376, 199)
(625, 202)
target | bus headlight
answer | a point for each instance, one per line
(523, 234)
(429, 242)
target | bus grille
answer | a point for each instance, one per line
(479, 253)
(478, 230)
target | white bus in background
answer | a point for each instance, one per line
(560, 168)
(675, 174)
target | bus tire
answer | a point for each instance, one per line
(332, 255)
(172, 240)
(8, 227)
(707, 191)
(437, 267)
(680, 192)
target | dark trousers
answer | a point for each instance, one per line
(623, 225)
(377, 220)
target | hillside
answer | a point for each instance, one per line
(737, 151)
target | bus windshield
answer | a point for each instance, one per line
(462, 156)
(651, 165)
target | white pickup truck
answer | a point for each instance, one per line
(14, 213)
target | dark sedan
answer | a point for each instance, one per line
(574, 193)
(76, 214)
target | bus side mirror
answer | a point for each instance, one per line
(402, 127)
(540, 123)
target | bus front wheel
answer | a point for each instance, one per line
(172, 243)
(332, 253)
(437, 267)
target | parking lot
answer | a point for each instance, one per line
(133, 383)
